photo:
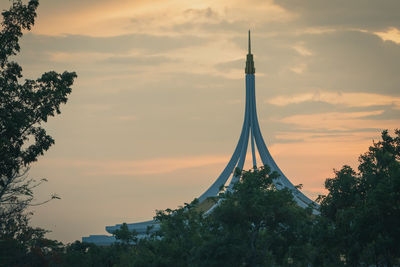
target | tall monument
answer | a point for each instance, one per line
(250, 133)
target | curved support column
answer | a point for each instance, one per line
(266, 158)
(238, 155)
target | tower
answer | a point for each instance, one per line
(250, 133)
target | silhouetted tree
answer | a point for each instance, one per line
(24, 107)
(363, 207)
(257, 225)
(125, 235)
(254, 225)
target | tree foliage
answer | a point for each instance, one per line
(364, 206)
(258, 224)
(255, 224)
(125, 235)
(25, 105)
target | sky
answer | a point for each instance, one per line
(157, 108)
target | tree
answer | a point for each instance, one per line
(364, 206)
(254, 225)
(125, 235)
(258, 225)
(24, 107)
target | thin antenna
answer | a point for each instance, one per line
(249, 43)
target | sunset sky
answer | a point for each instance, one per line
(157, 108)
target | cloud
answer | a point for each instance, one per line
(342, 13)
(299, 48)
(142, 44)
(299, 68)
(321, 136)
(148, 53)
(337, 98)
(391, 34)
(315, 30)
(138, 60)
(95, 108)
(231, 64)
(207, 15)
(341, 121)
(311, 160)
(119, 17)
(136, 167)
(74, 57)
(208, 57)
(126, 118)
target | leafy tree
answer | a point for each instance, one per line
(257, 225)
(86, 254)
(125, 235)
(24, 107)
(181, 232)
(364, 206)
(254, 225)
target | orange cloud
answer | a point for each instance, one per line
(312, 160)
(137, 167)
(391, 34)
(299, 69)
(110, 18)
(341, 121)
(337, 98)
(299, 48)
(351, 137)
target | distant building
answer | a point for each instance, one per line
(250, 132)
